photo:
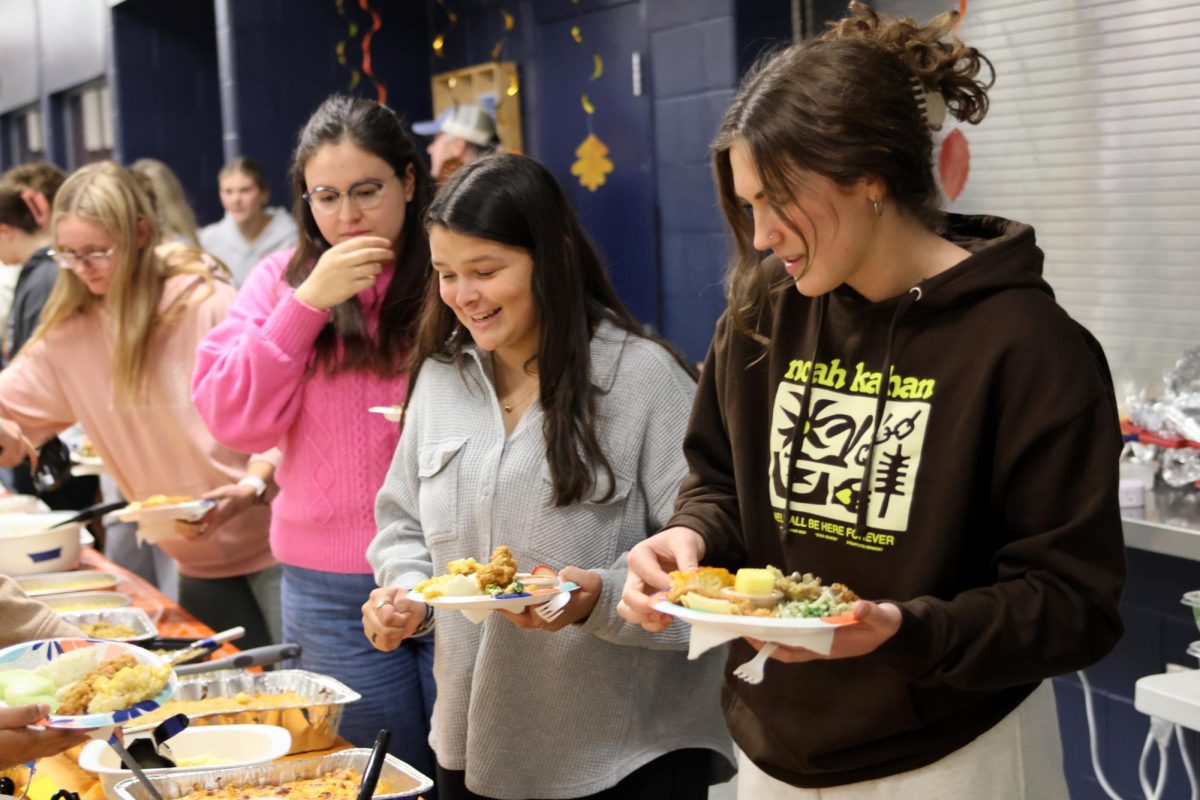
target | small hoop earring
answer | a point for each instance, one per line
(878, 206)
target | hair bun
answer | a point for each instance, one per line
(944, 67)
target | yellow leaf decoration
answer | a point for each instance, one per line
(598, 66)
(355, 77)
(496, 50)
(513, 86)
(592, 165)
(509, 21)
(586, 102)
(353, 29)
(576, 34)
(341, 52)
(439, 42)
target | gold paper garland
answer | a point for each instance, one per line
(592, 164)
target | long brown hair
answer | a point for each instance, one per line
(842, 106)
(346, 343)
(514, 200)
(108, 195)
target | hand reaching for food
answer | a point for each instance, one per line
(675, 548)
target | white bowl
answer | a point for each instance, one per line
(238, 745)
(27, 546)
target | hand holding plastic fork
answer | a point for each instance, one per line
(553, 609)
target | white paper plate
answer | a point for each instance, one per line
(390, 413)
(754, 627)
(191, 511)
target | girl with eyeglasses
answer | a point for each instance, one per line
(114, 352)
(318, 336)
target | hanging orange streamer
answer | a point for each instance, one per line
(376, 24)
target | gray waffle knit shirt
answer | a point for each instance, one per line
(528, 713)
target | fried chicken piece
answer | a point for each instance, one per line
(500, 571)
(704, 581)
(76, 699)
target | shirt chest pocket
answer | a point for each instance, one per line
(438, 467)
(589, 533)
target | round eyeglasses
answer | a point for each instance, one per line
(365, 195)
(95, 259)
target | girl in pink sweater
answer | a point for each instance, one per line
(114, 352)
(317, 337)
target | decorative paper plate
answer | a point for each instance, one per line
(31, 655)
(477, 607)
(390, 413)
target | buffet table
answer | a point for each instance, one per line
(62, 771)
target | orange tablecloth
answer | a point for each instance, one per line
(62, 771)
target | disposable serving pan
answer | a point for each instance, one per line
(131, 617)
(313, 724)
(399, 778)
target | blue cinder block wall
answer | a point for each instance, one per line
(165, 93)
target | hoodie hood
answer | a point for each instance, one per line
(1004, 255)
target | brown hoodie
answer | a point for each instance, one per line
(992, 517)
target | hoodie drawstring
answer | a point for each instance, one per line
(802, 420)
(864, 495)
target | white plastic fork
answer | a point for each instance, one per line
(554, 607)
(752, 670)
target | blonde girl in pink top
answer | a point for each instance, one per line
(114, 352)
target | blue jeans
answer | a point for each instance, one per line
(322, 612)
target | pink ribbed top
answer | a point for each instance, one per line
(253, 386)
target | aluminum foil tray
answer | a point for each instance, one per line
(399, 778)
(313, 725)
(131, 617)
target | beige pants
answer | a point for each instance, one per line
(1019, 759)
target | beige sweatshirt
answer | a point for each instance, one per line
(23, 619)
(157, 445)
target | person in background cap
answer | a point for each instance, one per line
(460, 135)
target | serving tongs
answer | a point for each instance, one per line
(254, 657)
(90, 513)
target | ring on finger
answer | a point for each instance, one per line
(374, 636)
(380, 603)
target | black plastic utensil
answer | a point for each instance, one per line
(90, 513)
(53, 466)
(366, 789)
(132, 765)
(153, 753)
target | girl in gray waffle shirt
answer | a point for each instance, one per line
(545, 418)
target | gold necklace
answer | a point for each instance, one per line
(508, 407)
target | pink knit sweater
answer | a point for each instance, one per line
(254, 388)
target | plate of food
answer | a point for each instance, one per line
(165, 507)
(88, 683)
(764, 604)
(83, 580)
(479, 589)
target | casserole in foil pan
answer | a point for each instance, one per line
(396, 779)
(130, 617)
(313, 721)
